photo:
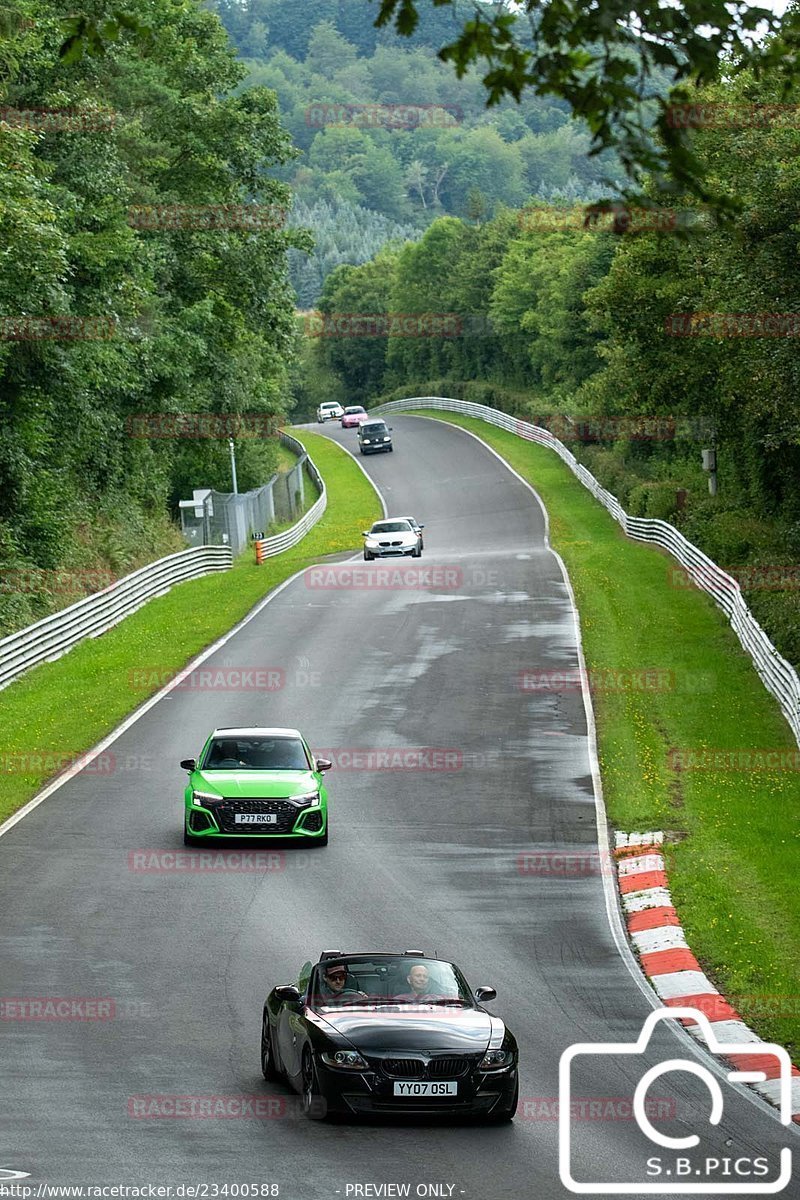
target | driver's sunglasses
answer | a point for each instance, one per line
(336, 975)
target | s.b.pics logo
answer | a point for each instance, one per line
(672, 1164)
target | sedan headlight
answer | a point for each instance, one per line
(347, 1060)
(365, 441)
(202, 798)
(386, 439)
(305, 798)
(494, 1060)
(372, 543)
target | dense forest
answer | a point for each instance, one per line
(387, 129)
(546, 318)
(106, 315)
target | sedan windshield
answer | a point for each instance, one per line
(390, 979)
(256, 754)
(355, 410)
(391, 527)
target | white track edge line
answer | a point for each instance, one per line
(88, 756)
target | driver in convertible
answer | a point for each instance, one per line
(336, 984)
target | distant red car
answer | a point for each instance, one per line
(354, 416)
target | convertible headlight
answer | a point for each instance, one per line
(202, 798)
(348, 1060)
(305, 798)
(493, 1060)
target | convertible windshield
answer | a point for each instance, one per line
(355, 410)
(388, 980)
(391, 527)
(256, 754)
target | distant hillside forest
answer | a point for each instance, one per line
(388, 137)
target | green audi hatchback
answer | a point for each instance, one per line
(256, 783)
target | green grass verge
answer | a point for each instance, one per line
(733, 874)
(66, 707)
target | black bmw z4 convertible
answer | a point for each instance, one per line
(389, 1033)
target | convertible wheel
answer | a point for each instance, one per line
(505, 1112)
(270, 1067)
(314, 1106)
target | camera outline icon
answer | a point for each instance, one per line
(688, 1066)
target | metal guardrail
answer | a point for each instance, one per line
(267, 547)
(54, 635)
(777, 675)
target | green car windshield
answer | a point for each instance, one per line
(256, 754)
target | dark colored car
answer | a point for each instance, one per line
(374, 437)
(390, 1033)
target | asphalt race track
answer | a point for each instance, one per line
(418, 858)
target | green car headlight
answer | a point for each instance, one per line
(348, 1060)
(202, 798)
(305, 798)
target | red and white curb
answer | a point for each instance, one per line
(671, 967)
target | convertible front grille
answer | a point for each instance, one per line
(404, 1068)
(226, 812)
(447, 1068)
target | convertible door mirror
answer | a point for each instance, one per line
(483, 994)
(287, 993)
(324, 764)
(188, 764)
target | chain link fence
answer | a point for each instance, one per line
(214, 518)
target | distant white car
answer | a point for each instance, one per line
(329, 411)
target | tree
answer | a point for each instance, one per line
(608, 60)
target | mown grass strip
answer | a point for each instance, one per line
(734, 874)
(66, 707)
